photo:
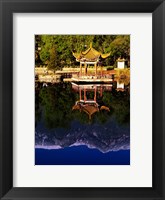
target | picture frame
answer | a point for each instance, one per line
(7, 8)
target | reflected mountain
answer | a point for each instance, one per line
(105, 138)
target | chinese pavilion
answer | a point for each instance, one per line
(88, 57)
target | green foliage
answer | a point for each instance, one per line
(64, 45)
(53, 59)
(123, 76)
(110, 67)
(119, 103)
(120, 47)
(57, 105)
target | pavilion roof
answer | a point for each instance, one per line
(87, 108)
(90, 54)
(90, 109)
(120, 59)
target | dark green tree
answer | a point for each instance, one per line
(53, 64)
(118, 45)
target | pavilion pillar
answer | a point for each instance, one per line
(95, 69)
(80, 69)
(80, 94)
(85, 66)
(85, 98)
(101, 91)
(95, 93)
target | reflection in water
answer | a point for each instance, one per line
(94, 115)
(120, 87)
(86, 102)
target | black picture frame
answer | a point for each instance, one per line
(7, 8)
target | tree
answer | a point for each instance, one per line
(52, 64)
(118, 45)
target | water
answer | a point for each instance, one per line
(87, 124)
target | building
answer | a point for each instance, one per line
(120, 63)
(89, 57)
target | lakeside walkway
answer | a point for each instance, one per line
(68, 76)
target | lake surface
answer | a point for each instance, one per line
(82, 124)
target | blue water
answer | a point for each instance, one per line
(81, 155)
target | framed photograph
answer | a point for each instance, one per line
(87, 120)
(82, 99)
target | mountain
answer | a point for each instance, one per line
(105, 138)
